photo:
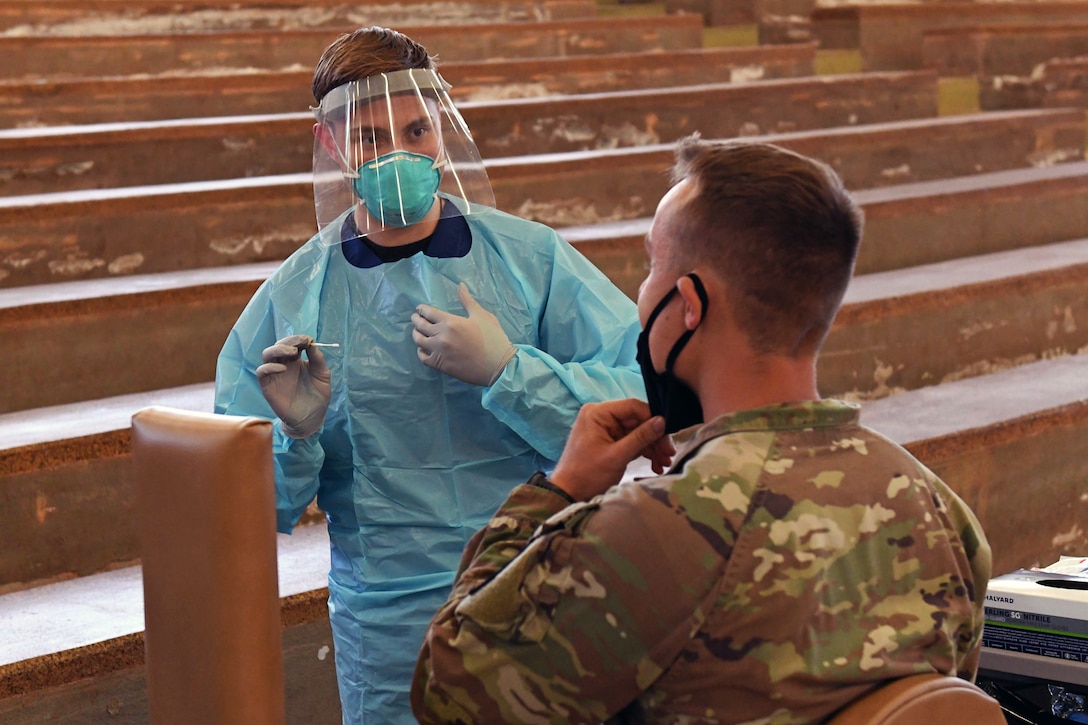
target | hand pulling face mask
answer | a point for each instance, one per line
(667, 394)
(398, 188)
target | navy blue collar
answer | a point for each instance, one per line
(451, 238)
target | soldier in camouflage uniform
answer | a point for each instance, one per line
(788, 562)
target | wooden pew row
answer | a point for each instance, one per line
(287, 221)
(889, 35)
(114, 233)
(101, 156)
(60, 57)
(70, 17)
(153, 326)
(1054, 84)
(744, 12)
(104, 156)
(985, 436)
(606, 120)
(50, 102)
(1011, 443)
(912, 224)
(584, 188)
(1000, 51)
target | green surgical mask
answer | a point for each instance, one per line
(398, 188)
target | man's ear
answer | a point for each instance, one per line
(324, 136)
(694, 309)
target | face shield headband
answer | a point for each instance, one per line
(389, 147)
(667, 395)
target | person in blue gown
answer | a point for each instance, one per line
(460, 343)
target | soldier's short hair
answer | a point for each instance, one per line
(364, 52)
(779, 228)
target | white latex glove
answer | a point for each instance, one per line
(473, 349)
(298, 390)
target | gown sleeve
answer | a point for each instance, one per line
(588, 332)
(237, 392)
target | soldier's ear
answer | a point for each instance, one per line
(695, 304)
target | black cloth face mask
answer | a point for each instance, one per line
(668, 395)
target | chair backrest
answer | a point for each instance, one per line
(922, 699)
(213, 640)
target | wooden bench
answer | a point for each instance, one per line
(911, 224)
(244, 93)
(889, 36)
(915, 327)
(1010, 443)
(165, 329)
(990, 52)
(1061, 83)
(145, 16)
(547, 187)
(599, 186)
(550, 125)
(66, 57)
(110, 234)
(63, 158)
(741, 12)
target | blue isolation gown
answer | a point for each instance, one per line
(411, 462)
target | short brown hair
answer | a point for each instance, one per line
(364, 52)
(779, 229)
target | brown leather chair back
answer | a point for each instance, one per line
(922, 699)
(212, 632)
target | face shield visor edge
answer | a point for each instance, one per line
(384, 144)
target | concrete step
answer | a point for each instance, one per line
(65, 465)
(83, 17)
(985, 436)
(889, 35)
(101, 156)
(83, 56)
(119, 98)
(989, 51)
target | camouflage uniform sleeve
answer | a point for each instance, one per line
(976, 548)
(505, 535)
(570, 624)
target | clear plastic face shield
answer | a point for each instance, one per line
(395, 149)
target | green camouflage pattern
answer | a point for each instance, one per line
(791, 561)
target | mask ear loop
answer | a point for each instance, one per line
(349, 172)
(683, 339)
